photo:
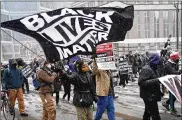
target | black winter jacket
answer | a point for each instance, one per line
(149, 84)
(171, 68)
(84, 90)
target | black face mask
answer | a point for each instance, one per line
(176, 61)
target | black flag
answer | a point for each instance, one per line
(66, 32)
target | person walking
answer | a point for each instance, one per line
(104, 92)
(46, 79)
(123, 72)
(150, 88)
(67, 85)
(21, 64)
(84, 92)
(12, 81)
(172, 68)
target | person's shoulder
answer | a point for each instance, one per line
(146, 68)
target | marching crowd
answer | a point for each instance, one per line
(92, 84)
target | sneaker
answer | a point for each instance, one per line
(11, 112)
(69, 102)
(24, 114)
(128, 84)
(166, 105)
(175, 113)
(125, 88)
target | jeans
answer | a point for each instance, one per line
(171, 101)
(105, 102)
(151, 110)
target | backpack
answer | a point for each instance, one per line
(35, 82)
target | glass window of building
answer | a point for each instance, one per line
(156, 24)
(17, 48)
(7, 48)
(5, 36)
(4, 17)
(91, 4)
(156, 2)
(147, 24)
(174, 23)
(138, 25)
(25, 6)
(166, 23)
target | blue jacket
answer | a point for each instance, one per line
(12, 78)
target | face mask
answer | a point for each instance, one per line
(85, 68)
(49, 66)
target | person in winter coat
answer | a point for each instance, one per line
(21, 63)
(135, 64)
(84, 92)
(123, 72)
(67, 85)
(171, 68)
(150, 88)
(12, 81)
(104, 89)
(46, 79)
(57, 83)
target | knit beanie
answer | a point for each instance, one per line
(154, 58)
(174, 56)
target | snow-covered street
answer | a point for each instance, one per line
(129, 106)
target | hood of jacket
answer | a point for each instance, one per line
(11, 62)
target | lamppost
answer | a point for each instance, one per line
(176, 5)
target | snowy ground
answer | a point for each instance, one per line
(128, 106)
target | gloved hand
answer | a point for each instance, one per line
(95, 99)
